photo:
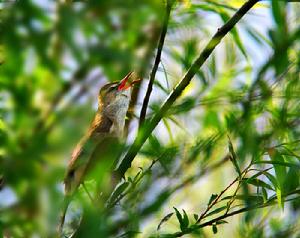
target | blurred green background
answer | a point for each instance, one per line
(55, 56)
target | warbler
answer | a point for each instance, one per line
(106, 128)
(97, 151)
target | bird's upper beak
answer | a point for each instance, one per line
(125, 84)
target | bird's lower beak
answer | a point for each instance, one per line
(135, 82)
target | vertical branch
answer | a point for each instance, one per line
(156, 62)
(141, 71)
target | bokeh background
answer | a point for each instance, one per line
(54, 57)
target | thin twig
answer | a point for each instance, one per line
(215, 201)
(141, 71)
(188, 181)
(131, 189)
(156, 62)
(271, 202)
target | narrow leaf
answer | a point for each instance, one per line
(258, 183)
(119, 190)
(179, 218)
(165, 219)
(185, 220)
(214, 229)
(254, 198)
(221, 222)
(225, 17)
(272, 179)
(216, 211)
(278, 163)
(265, 194)
(212, 198)
(280, 172)
(233, 158)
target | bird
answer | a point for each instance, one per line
(107, 126)
(97, 150)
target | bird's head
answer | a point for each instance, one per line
(117, 92)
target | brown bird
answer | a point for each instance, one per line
(103, 135)
(97, 151)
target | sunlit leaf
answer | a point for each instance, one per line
(235, 35)
(280, 171)
(185, 219)
(165, 219)
(258, 183)
(249, 198)
(216, 211)
(214, 229)
(212, 198)
(221, 222)
(233, 158)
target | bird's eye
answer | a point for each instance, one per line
(112, 88)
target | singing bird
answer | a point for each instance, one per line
(107, 127)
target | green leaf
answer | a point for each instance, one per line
(233, 158)
(258, 37)
(280, 172)
(278, 9)
(196, 216)
(155, 143)
(265, 194)
(258, 183)
(221, 222)
(252, 198)
(225, 17)
(187, 104)
(272, 179)
(165, 219)
(278, 163)
(166, 75)
(292, 180)
(214, 229)
(185, 219)
(160, 86)
(211, 119)
(278, 189)
(166, 159)
(119, 190)
(167, 125)
(212, 198)
(180, 219)
(279, 197)
(216, 211)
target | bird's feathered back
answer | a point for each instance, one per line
(108, 123)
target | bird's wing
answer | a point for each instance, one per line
(79, 160)
(82, 153)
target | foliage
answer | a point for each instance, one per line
(221, 159)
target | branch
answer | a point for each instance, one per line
(216, 200)
(156, 62)
(147, 129)
(271, 202)
(148, 210)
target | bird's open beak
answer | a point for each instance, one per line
(125, 84)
